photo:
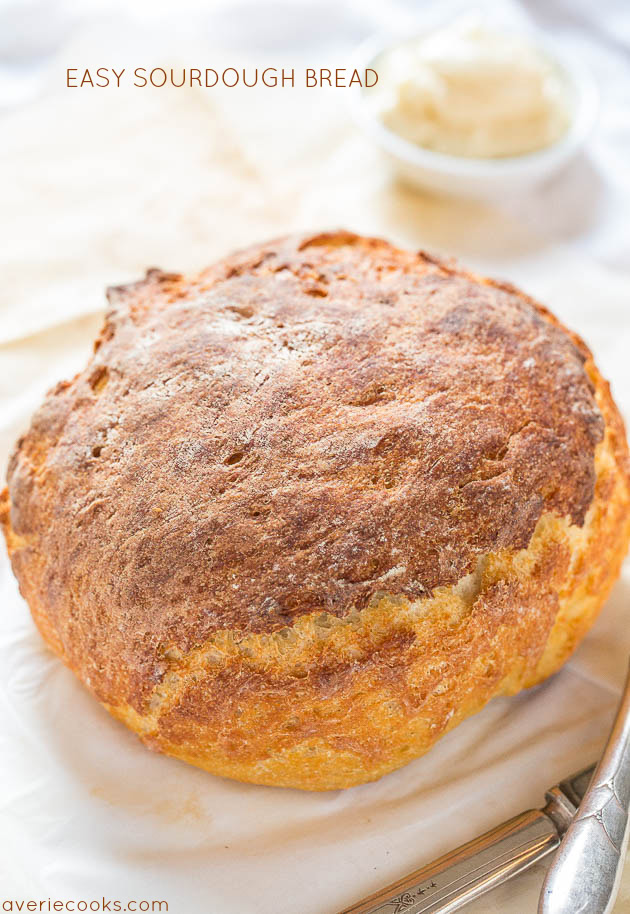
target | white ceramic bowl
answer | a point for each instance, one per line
(480, 178)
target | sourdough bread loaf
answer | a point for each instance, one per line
(306, 510)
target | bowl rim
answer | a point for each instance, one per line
(584, 116)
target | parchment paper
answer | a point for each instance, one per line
(97, 187)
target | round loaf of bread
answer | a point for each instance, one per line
(305, 511)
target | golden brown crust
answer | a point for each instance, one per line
(305, 511)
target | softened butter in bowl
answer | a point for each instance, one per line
(470, 109)
(468, 90)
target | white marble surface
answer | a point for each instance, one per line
(95, 188)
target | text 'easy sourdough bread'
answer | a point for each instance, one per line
(305, 511)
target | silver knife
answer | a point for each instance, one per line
(585, 874)
(466, 873)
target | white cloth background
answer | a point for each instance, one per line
(95, 186)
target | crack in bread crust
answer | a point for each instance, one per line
(305, 511)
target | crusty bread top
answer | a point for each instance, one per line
(301, 426)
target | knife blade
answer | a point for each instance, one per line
(467, 872)
(586, 872)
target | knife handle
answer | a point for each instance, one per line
(585, 874)
(467, 872)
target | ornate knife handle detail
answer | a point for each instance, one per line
(584, 876)
(463, 874)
